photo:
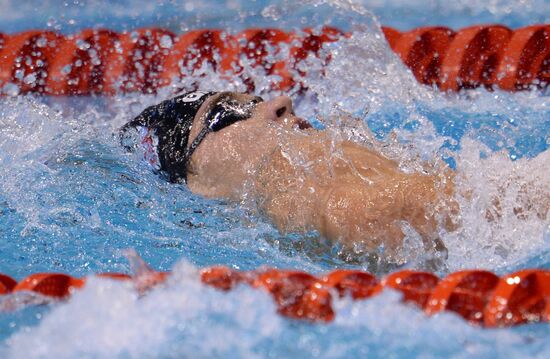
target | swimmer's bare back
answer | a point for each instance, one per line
(300, 177)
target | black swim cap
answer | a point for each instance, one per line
(171, 123)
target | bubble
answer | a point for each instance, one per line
(166, 42)
(30, 79)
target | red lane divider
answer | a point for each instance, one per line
(6, 284)
(138, 58)
(483, 55)
(25, 59)
(357, 284)
(415, 286)
(224, 278)
(471, 56)
(104, 62)
(478, 296)
(79, 66)
(194, 49)
(297, 294)
(422, 50)
(55, 285)
(464, 292)
(526, 58)
(520, 297)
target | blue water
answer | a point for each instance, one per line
(71, 16)
(71, 200)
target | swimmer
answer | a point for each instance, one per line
(231, 145)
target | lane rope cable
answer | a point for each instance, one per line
(478, 296)
(101, 61)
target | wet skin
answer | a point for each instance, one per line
(303, 179)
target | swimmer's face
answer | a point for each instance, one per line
(228, 155)
(279, 110)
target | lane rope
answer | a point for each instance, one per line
(478, 296)
(101, 61)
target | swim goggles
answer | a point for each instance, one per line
(224, 112)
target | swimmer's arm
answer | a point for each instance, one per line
(374, 216)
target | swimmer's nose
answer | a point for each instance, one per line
(279, 108)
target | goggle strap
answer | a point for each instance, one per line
(191, 149)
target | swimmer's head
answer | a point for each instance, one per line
(164, 129)
(172, 131)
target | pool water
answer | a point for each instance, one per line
(72, 200)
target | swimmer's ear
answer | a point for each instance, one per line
(128, 134)
(152, 117)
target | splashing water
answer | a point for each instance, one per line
(72, 200)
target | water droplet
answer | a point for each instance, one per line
(83, 45)
(41, 42)
(11, 89)
(66, 69)
(30, 79)
(272, 11)
(166, 42)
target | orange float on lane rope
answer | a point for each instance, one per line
(55, 285)
(192, 49)
(357, 284)
(101, 61)
(472, 57)
(422, 50)
(257, 44)
(519, 298)
(525, 59)
(298, 295)
(79, 65)
(25, 58)
(392, 36)
(416, 286)
(223, 278)
(313, 41)
(478, 296)
(6, 284)
(466, 293)
(137, 61)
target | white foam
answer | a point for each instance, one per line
(108, 319)
(504, 208)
